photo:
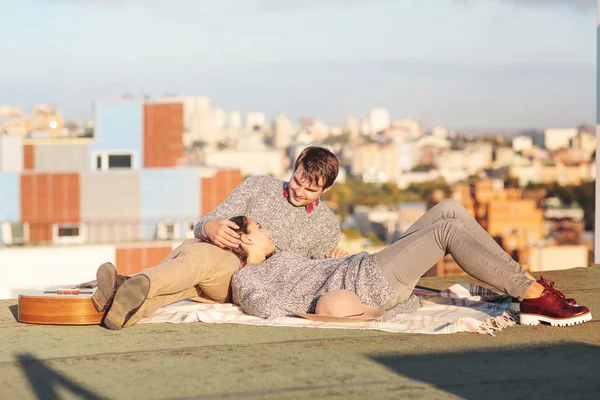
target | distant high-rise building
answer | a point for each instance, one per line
(440, 131)
(250, 161)
(522, 142)
(46, 117)
(233, 120)
(305, 122)
(10, 112)
(12, 121)
(365, 127)
(219, 114)
(318, 131)
(255, 121)
(376, 162)
(336, 131)
(536, 136)
(352, 126)
(412, 128)
(555, 139)
(200, 122)
(503, 156)
(379, 119)
(283, 130)
(584, 141)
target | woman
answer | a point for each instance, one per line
(287, 284)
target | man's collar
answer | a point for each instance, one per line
(309, 207)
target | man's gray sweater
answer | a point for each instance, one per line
(293, 229)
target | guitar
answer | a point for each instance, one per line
(60, 306)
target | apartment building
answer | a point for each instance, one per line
(122, 186)
(563, 174)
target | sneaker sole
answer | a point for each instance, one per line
(130, 296)
(106, 278)
(535, 319)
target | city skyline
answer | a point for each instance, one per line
(500, 66)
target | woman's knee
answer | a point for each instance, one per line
(452, 224)
(451, 207)
(444, 231)
(450, 228)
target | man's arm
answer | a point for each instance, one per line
(328, 242)
(234, 205)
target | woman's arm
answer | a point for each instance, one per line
(259, 304)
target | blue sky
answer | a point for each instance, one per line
(474, 65)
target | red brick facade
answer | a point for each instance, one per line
(28, 157)
(216, 189)
(48, 199)
(163, 134)
(131, 260)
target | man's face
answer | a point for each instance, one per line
(302, 191)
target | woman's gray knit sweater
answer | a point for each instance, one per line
(289, 284)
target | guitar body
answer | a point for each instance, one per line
(70, 306)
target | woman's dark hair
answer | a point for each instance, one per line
(243, 223)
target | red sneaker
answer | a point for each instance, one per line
(551, 307)
(550, 286)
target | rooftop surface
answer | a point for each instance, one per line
(222, 361)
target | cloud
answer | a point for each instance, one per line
(264, 5)
(277, 5)
(274, 5)
(111, 3)
(549, 3)
(84, 2)
(572, 4)
(284, 4)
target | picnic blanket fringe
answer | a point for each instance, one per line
(496, 324)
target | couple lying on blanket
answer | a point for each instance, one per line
(269, 283)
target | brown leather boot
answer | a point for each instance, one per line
(127, 301)
(108, 282)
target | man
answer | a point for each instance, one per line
(299, 223)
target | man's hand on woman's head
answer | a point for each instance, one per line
(222, 233)
(337, 252)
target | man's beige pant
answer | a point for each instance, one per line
(193, 270)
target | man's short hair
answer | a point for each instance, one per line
(318, 163)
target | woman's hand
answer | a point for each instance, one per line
(337, 252)
(222, 233)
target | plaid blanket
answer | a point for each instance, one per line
(459, 308)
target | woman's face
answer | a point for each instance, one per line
(260, 237)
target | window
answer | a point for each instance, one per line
(189, 232)
(103, 161)
(68, 233)
(14, 233)
(167, 231)
(120, 161)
